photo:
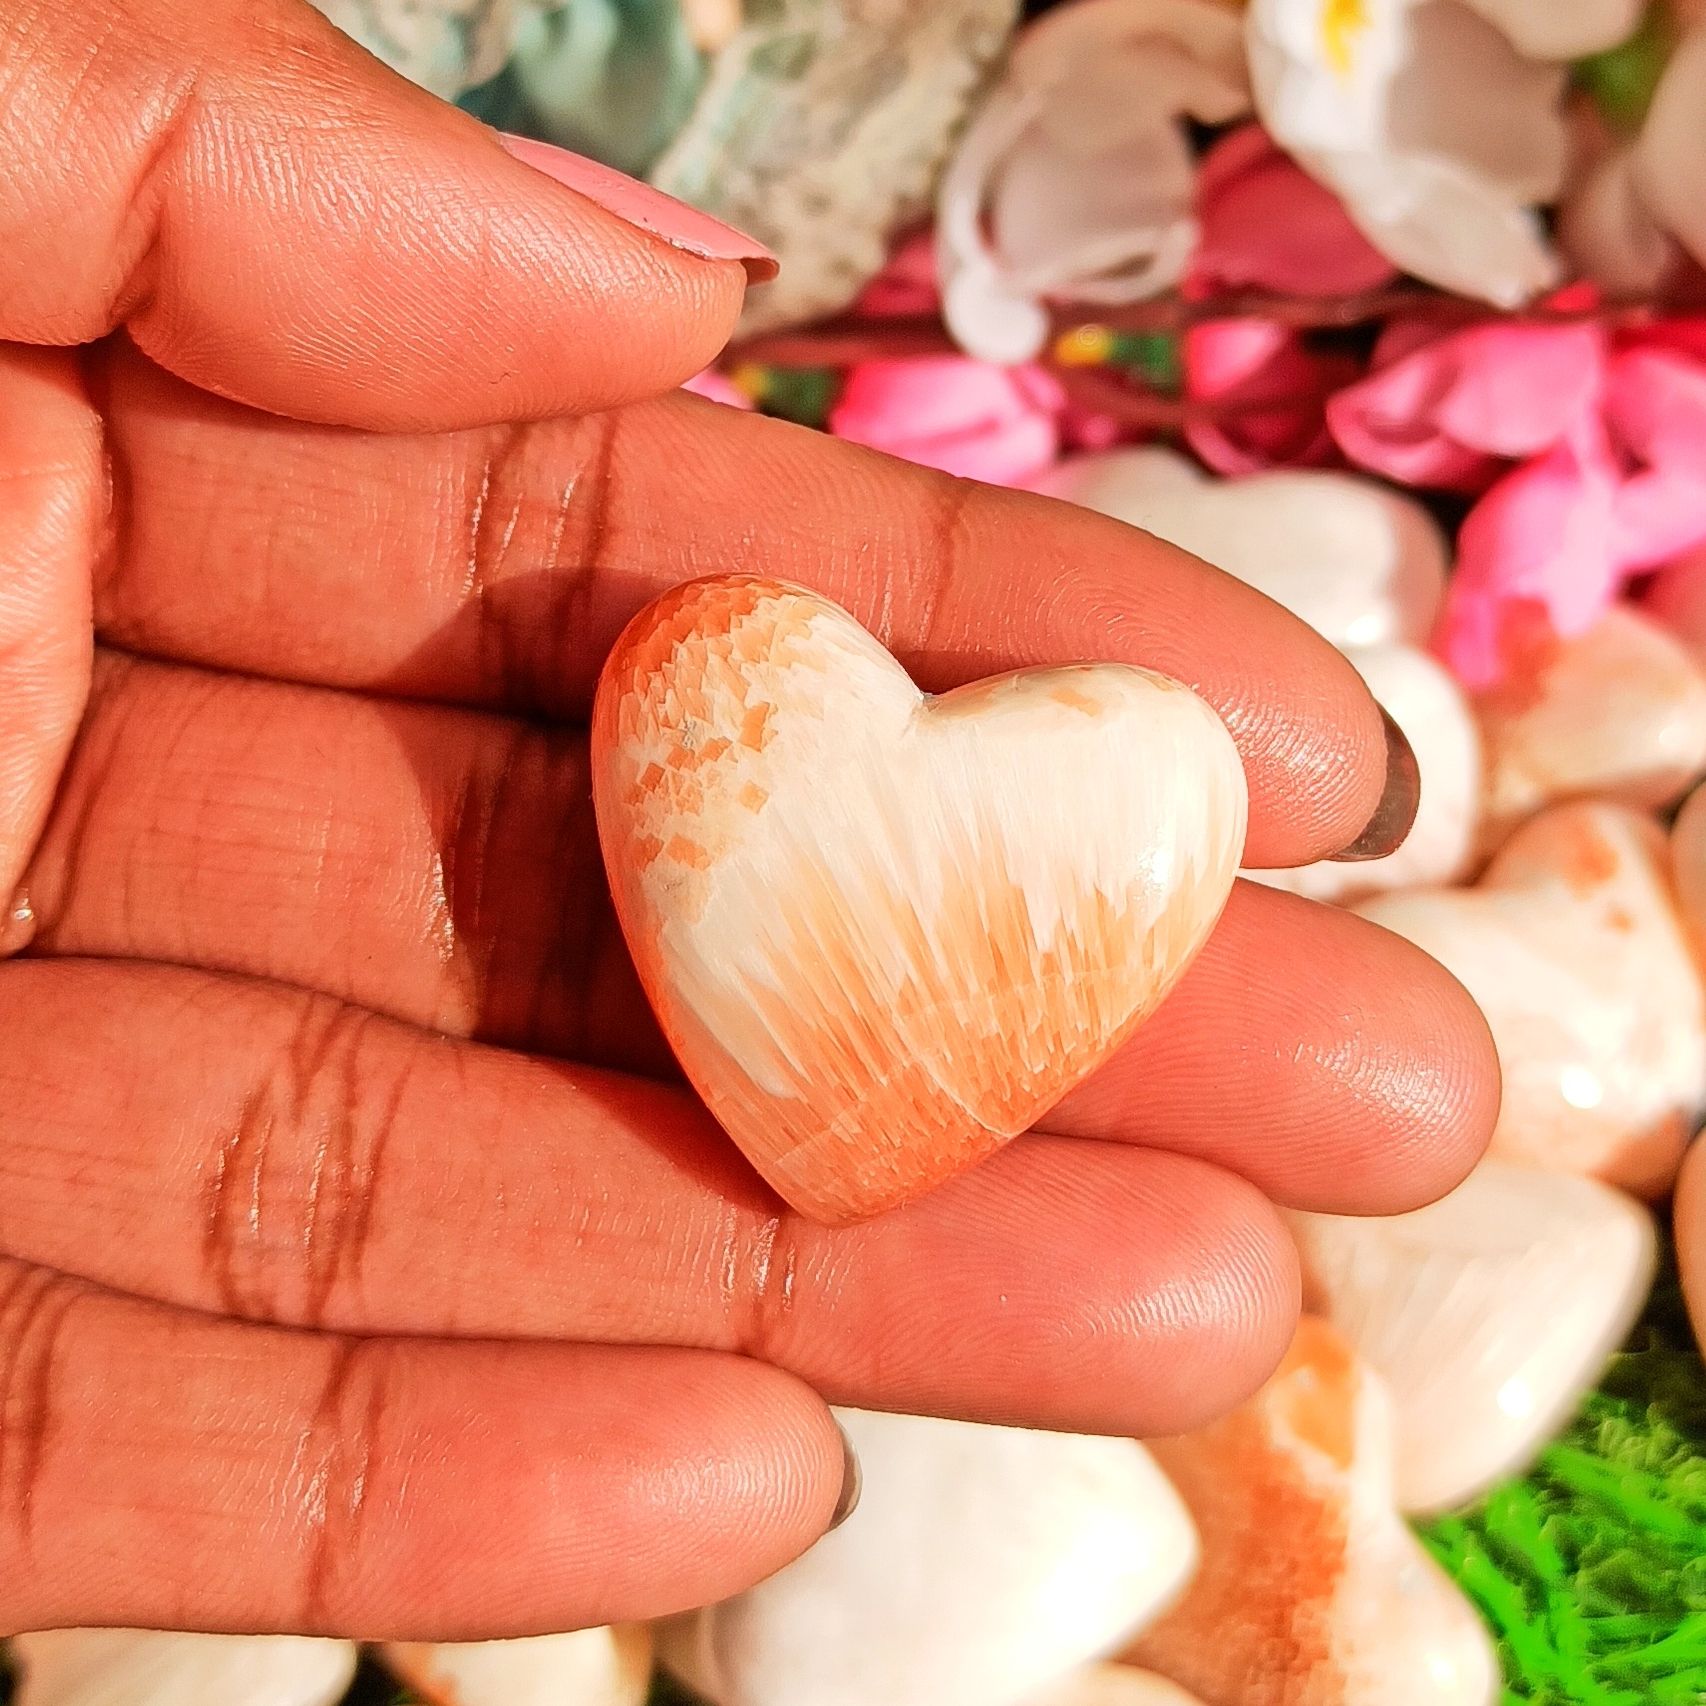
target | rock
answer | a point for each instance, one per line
(1114, 1685)
(1488, 1313)
(885, 932)
(1573, 946)
(146, 1667)
(821, 130)
(590, 1667)
(982, 1565)
(1617, 713)
(1425, 701)
(1363, 566)
(1689, 1227)
(1360, 563)
(1312, 1590)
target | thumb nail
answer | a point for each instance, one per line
(1399, 800)
(638, 204)
(852, 1482)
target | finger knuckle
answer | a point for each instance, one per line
(344, 1443)
(35, 1306)
(293, 1177)
(543, 507)
(761, 1275)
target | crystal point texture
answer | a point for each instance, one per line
(885, 931)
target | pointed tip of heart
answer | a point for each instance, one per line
(884, 932)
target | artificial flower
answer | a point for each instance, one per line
(1636, 215)
(907, 283)
(1267, 225)
(1450, 411)
(1256, 396)
(965, 417)
(1075, 179)
(1587, 448)
(1439, 122)
(1535, 560)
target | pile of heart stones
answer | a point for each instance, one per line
(1479, 1473)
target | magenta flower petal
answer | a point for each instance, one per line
(971, 418)
(1536, 558)
(1267, 225)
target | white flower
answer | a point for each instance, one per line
(1625, 223)
(1439, 122)
(1074, 180)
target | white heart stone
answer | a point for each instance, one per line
(1489, 1313)
(1617, 713)
(981, 1565)
(1364, 567)
(1689, 1227)
(1360, 563)
(1572, 945)
(1688, 866)
(146, 1667)
(1114, 1685)
(1423, 698)
(885, 932)
(589, 1667)
(1312, 1590)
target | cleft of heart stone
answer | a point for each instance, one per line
(886, 931)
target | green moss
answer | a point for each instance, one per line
(1591, 1570)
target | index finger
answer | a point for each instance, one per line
(277, 217)
(496, 567)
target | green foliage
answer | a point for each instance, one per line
(1621, 81)
(800, 394)
(1591, 1570)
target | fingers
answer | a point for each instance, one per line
(286, 1158)
(496, 568)
(442, 866)
(162, 1469)
(1330, 1062)
(276, 217)
(50, 501)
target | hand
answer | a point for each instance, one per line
(366, 1269)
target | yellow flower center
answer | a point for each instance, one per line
(1342, 21)
(1084, 346)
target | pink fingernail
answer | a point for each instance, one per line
(639, 204)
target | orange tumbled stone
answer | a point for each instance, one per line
(884, 931)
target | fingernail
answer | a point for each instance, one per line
(639, 204)
(1398, 801)
(851, 1482)
(18, 925)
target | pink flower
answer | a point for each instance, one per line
(1267, 225)
(998, 424)
(1535, 559)
(719, 388)
(1448, 411)
(1655, 410)
(907, 284)
(1260, 394)
(1608, 435)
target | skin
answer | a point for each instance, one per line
(366, 1268)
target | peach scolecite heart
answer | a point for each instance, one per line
(885, 932)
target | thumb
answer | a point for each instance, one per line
(276, 217)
